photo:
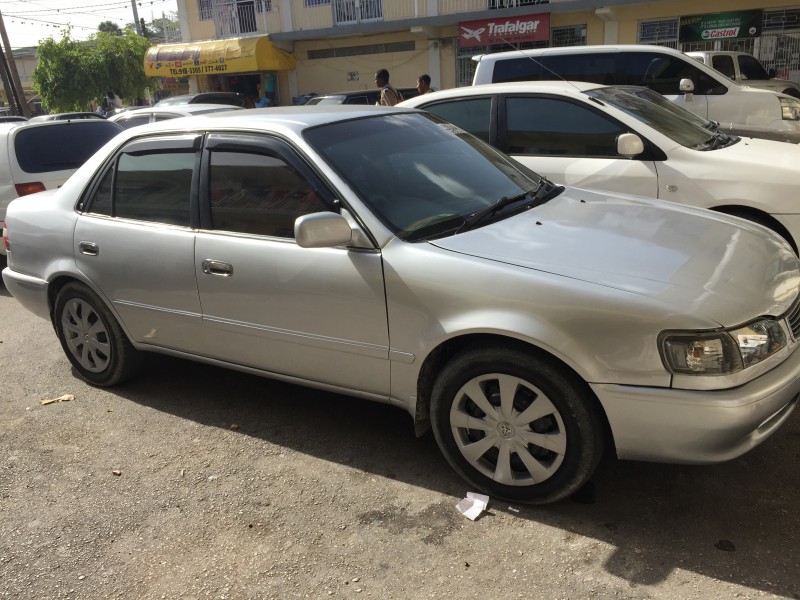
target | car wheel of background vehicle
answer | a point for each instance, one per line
(91, 337)
(515, 425)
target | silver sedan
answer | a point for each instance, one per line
(387, 254)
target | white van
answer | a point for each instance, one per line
(682, 79)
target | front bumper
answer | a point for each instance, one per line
(689, 426)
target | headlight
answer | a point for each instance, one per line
(790, 109)
(721, 352)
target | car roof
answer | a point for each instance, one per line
(187, 109)
(515, 87)
(289, 119)
(494, 56)
(66, 116)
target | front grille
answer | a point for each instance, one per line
(793, 318)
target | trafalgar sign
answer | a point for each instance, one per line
(512, 30)
(720, 26)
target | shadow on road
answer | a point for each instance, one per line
(736, 522)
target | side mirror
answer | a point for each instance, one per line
(322, 230)
(686, 86)
(629, 144)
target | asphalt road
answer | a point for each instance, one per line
(197, 482)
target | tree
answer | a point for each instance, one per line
(61, 77)
(71, 74)
(109, 27)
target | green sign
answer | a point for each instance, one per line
(720, 26)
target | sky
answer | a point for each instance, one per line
(28, 21)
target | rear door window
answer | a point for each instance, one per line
(61, 145)
(724, 64)
(150, 180)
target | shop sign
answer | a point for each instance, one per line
(720, 26)
(512, 30)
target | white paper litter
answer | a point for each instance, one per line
(473, 505)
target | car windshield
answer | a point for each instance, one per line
(422, 176)
(689, 133)
(659, 100)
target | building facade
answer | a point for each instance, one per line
(294, 47)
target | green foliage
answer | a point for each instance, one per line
(109, 27)
(70, 74)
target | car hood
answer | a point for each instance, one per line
(711, 265)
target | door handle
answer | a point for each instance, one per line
(88, 248)
(217, 267)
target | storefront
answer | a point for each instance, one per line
(517, 33)
(235, 65)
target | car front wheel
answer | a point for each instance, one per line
(516, 425)
(91, 337)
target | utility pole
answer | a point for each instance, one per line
(16, 85)
(136, 18)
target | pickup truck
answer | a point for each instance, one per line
(745, 69)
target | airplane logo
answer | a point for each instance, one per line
(473, 34)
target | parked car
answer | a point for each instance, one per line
(764, 133)
(41, 155)
(12, 118)
(680, 78)
(745, 69)
(529, 324)
(231, 98)
(602, 137)
(359, 96)
(67, 116)
(143, 116)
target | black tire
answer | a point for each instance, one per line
(564, 417)
(91, 337)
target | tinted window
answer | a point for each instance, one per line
(473, 115)
(595, 68)
(154, 186)
(101, 203)
(253, 193)
(751, 68)
(724, 64)
(663, 73)
(551, 127)
(61, 146)
(419, 190)
(517, 69)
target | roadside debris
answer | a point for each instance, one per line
(473, 505)
(116, 472)
(64, 398)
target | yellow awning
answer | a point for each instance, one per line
(236, 55)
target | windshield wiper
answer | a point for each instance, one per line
(543, 192)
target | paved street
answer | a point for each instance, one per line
(196, 482)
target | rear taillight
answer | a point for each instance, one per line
(23, 189)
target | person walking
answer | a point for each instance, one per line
(424, 84)
(389, 94)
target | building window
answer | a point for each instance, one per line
(263, 6)
(206, 9)
(308, 3)
(568, 36)
(659, 33)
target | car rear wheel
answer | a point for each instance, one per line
(515, 425)
(91, 337)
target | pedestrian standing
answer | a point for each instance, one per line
(389, 94)
(424, 84)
